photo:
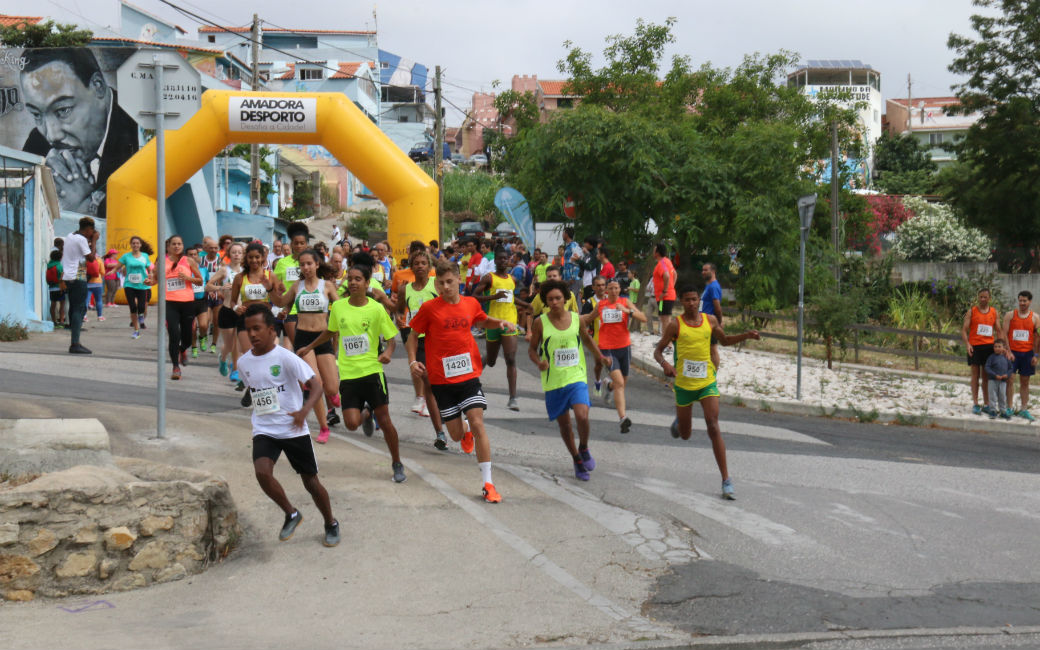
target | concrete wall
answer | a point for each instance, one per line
(1009, 283)
(238, 224)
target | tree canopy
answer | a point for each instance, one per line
(45, 33)
(711, 158)
(993, 184)
(903, 166)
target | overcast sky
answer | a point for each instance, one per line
(477, 42)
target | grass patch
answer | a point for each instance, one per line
(11, 330)
(765, 407)
(865, 416)
(909, 420)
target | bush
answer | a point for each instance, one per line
(11, 330)
(935, 234)
(366, 221)
(831, 316)
(466, 191)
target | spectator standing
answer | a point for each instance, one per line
(1020, 328)
(998, 369)
(711, 303)
(572, 255)
(664, 284)
(77, 251)
(979, 334)
(606, 268)
(53, 277)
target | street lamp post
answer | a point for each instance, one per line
(806, 206)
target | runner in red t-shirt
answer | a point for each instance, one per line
(453, 365)
(613, 313)
(664, 285)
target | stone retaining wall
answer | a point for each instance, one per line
(89, 529)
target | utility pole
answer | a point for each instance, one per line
(909, 106)
(254, 149)
(835, 188)
(438, 148)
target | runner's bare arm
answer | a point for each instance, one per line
(588, 319)
(195, 275)
(213, 284)
(635, 313)
(729, 339)
(535, 338)
(964, 331)
(285, 299)
(381, 298)
(411, 346)
(388, 353)
(591, 346)
(315, 387)
(670, 333)
(495, 323)
(236, 292)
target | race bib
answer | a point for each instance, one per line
(135, 278)
(565, 357)
(458, 365)
(229, 279)
(695, 369)
(507, 298)
(255, 292)
(984, 330)
(265, 401)
(377, 274)
(175, 284)
(356, 345)
(1020, 335)
(311, 302)
(612, 316)
(292, 274)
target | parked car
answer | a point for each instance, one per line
(470, 229)
(478, 160)
(505, 231)
(458, 158)
(423, 151)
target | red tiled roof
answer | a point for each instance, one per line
(346, 70)
(286, 76)
(551, 88)
(11, 21)
(171, 46)
(216, 30)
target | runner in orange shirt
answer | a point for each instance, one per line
(979, 332)
(1020, 331)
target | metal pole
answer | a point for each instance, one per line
(835, 189)
(801, 309)
(254, 149)
(160, 200)
(438, 149)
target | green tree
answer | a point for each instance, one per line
(519, 108)
(903, 167)
(365, 222)
(46, 33)
(993, 182)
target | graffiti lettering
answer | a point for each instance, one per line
(12, 61)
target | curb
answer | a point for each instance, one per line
(980, 425)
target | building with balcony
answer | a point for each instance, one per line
(926, 119)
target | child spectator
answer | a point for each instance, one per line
(53, 277)
(998, 368)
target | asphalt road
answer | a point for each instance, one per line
(844, 535)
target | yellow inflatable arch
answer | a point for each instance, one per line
(232, 117)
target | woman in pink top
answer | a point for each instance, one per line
(111, 279)
(181, 274)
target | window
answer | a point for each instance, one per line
(212, 38)
(565, 103)
(385, 65)
(402, 118)
(935, 139)
(307, 74)
(12, 223)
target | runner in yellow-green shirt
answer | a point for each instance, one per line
(556, 340)
(287, 270)
(694, 373)
(498, 291)
(359, 322)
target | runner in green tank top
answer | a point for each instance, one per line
(556, 339)
(287, 270)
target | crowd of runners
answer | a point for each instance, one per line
(306, 327)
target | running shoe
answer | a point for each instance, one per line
(1005, 416)
(1008, 412)
(491, 495)
(334, 400)
(247, 400)
(993, 415)
(425, 412)
(331, 534)
(202, 343)
(368, 425)
(513, 404)
(212, 348)
(289, 527)
(176, 374)
(240, 385)
(467, 442)
(223, 368)
(417, 406)
(441, 443)
(135, 335)
(233, 376)
(586, 459)
(626, 424)
(608, 392)
(580, 471)
(1025, 414)
(332, 418)
(727, 490)
(989, 410)
(399, 476)
(674, 428)
(184, 357)
(598, 390)
(101, 319)
(976, 410)
(140, 321)
(323, 436)
(194, 353)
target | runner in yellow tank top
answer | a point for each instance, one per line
(695, 373)
(501, 300)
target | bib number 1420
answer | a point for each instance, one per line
(458, 365)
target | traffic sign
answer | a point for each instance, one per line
(181, 88)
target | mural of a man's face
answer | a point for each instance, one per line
(70, 115)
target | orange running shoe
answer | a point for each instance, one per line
(467, 441)
(491, 495)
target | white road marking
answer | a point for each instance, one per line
(634, 622)
(648, 537)
(753, 525)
